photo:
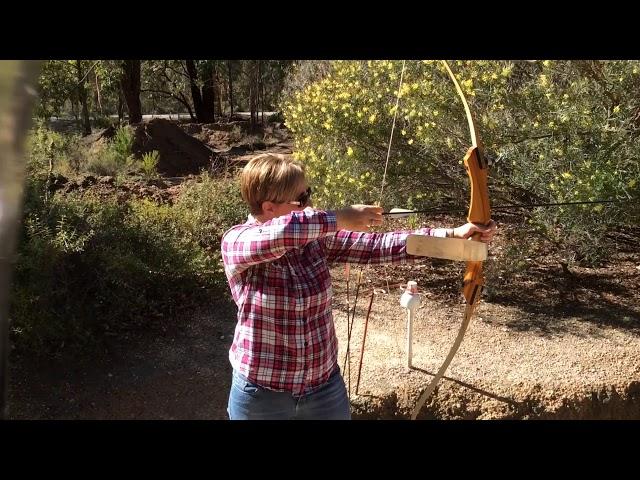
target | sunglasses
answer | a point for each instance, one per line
(303, 199)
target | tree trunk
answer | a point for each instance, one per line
(253, 94)
(230, 89)
(208, 101)
(261, 90)
(208, 94)
(217, 87)
(82, 96)
(18, 84)
(97, 85)
(190, 110)
(130, 83)
(74, 106)
(120, 106)
(196, 96)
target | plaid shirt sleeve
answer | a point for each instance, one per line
(373, 248)
(253, 243)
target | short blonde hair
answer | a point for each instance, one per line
(270, 177)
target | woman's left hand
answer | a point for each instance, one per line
(468, 229)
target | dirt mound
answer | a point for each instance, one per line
(185, 149)
(158, 190)
(180, 153)
(233, 138)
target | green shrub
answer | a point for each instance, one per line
(86, 265)
(149, 164)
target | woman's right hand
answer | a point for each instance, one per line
(359, 218)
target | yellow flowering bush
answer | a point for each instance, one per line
(556, 131)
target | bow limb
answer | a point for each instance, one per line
(479, 212)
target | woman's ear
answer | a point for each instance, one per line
(267, 207)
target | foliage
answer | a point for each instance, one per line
(555, 131)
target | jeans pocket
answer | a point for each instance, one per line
(244, 385)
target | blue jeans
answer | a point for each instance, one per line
(249, 401)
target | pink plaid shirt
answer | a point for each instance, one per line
(278, 272)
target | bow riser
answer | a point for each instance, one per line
(479, 212)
